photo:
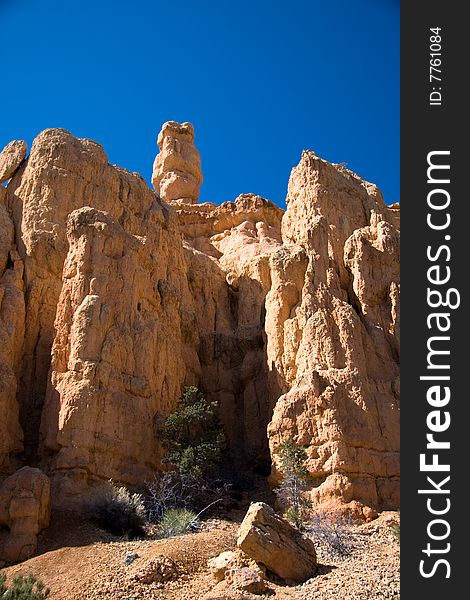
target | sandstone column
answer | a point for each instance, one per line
(177, 171)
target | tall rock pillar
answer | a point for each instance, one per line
(177, 173)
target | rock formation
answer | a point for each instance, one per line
(113, 300)
(332, 326)
(12, 321)
(25, 508)
(11, 158)
(177, 171)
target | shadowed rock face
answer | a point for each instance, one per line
(288, 319)
(12, 319)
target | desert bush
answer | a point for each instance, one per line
(207, 490)
(333, 532)
(192, 434)
(178, 490)
(165, 491)
(176, 521)
(294, 481)
(117, 510)
(23, 588)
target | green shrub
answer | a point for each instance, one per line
(118, 511)
(192, 434)
(23, 588)
(176, 521)
(294, 516)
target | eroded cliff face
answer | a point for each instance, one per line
(288, 319)
(333, 334)
(12, 319)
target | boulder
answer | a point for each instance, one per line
(273, 542)
(232, 561)
(246, 580)
(221, 563)
(159, 570)
(25, 511)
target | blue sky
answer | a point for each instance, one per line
(260, 80)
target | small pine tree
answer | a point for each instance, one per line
(294, 478)
(192, 434)
(23, 588)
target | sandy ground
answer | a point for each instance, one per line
(78, 561)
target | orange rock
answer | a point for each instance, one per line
(246, 579)
(177, 171)
(25, 511)
(115, 358)
(332, 326)
(11, 158)
(273, 542)
(58, 176)
(11, 341)
(290, 319)
(159, 570)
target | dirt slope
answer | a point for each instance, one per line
(91, 565)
